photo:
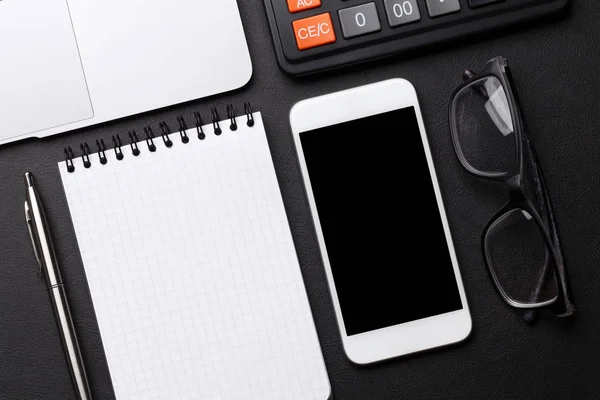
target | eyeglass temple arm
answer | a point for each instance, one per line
(569, 307)
(530, 316)
(469, 74)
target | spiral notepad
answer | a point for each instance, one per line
(191, 266)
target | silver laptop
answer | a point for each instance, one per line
(66, 64)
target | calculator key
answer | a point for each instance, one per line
(314, 31)
(359, 20)
(300, 5)
(400, 12)
(479, 3)
(442, 7)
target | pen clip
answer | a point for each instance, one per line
(30, 228)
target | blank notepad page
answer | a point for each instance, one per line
(193, 273)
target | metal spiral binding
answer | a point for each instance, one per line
(101, 151)
(231, 115)
(215, 121)
(165, 132)
(133, 139)
(249, 115)
(150, 139)
(182, 130)
(85, 149)
(199, 125)
(69, 156)
(165, 135)
(117, 147)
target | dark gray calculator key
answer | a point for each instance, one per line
(359, 20)
(400, 12)
(438, 8)
(478, 3)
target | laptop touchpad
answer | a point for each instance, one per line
(42, 84)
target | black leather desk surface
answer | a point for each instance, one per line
(556, 67)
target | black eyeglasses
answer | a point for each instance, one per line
(520, 243)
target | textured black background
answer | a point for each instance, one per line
(555, 65)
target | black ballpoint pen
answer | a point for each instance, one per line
(48, 266)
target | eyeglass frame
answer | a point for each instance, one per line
(513, 180)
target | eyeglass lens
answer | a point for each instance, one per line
(520, 262)
(484, 127)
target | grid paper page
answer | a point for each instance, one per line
(193, 273)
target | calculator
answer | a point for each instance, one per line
(317, 35)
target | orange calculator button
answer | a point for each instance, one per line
(314, 31)
(300, 5)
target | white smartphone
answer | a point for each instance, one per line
(380, 221)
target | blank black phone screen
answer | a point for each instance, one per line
(380, 220)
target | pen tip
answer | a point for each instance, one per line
(28, 179)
